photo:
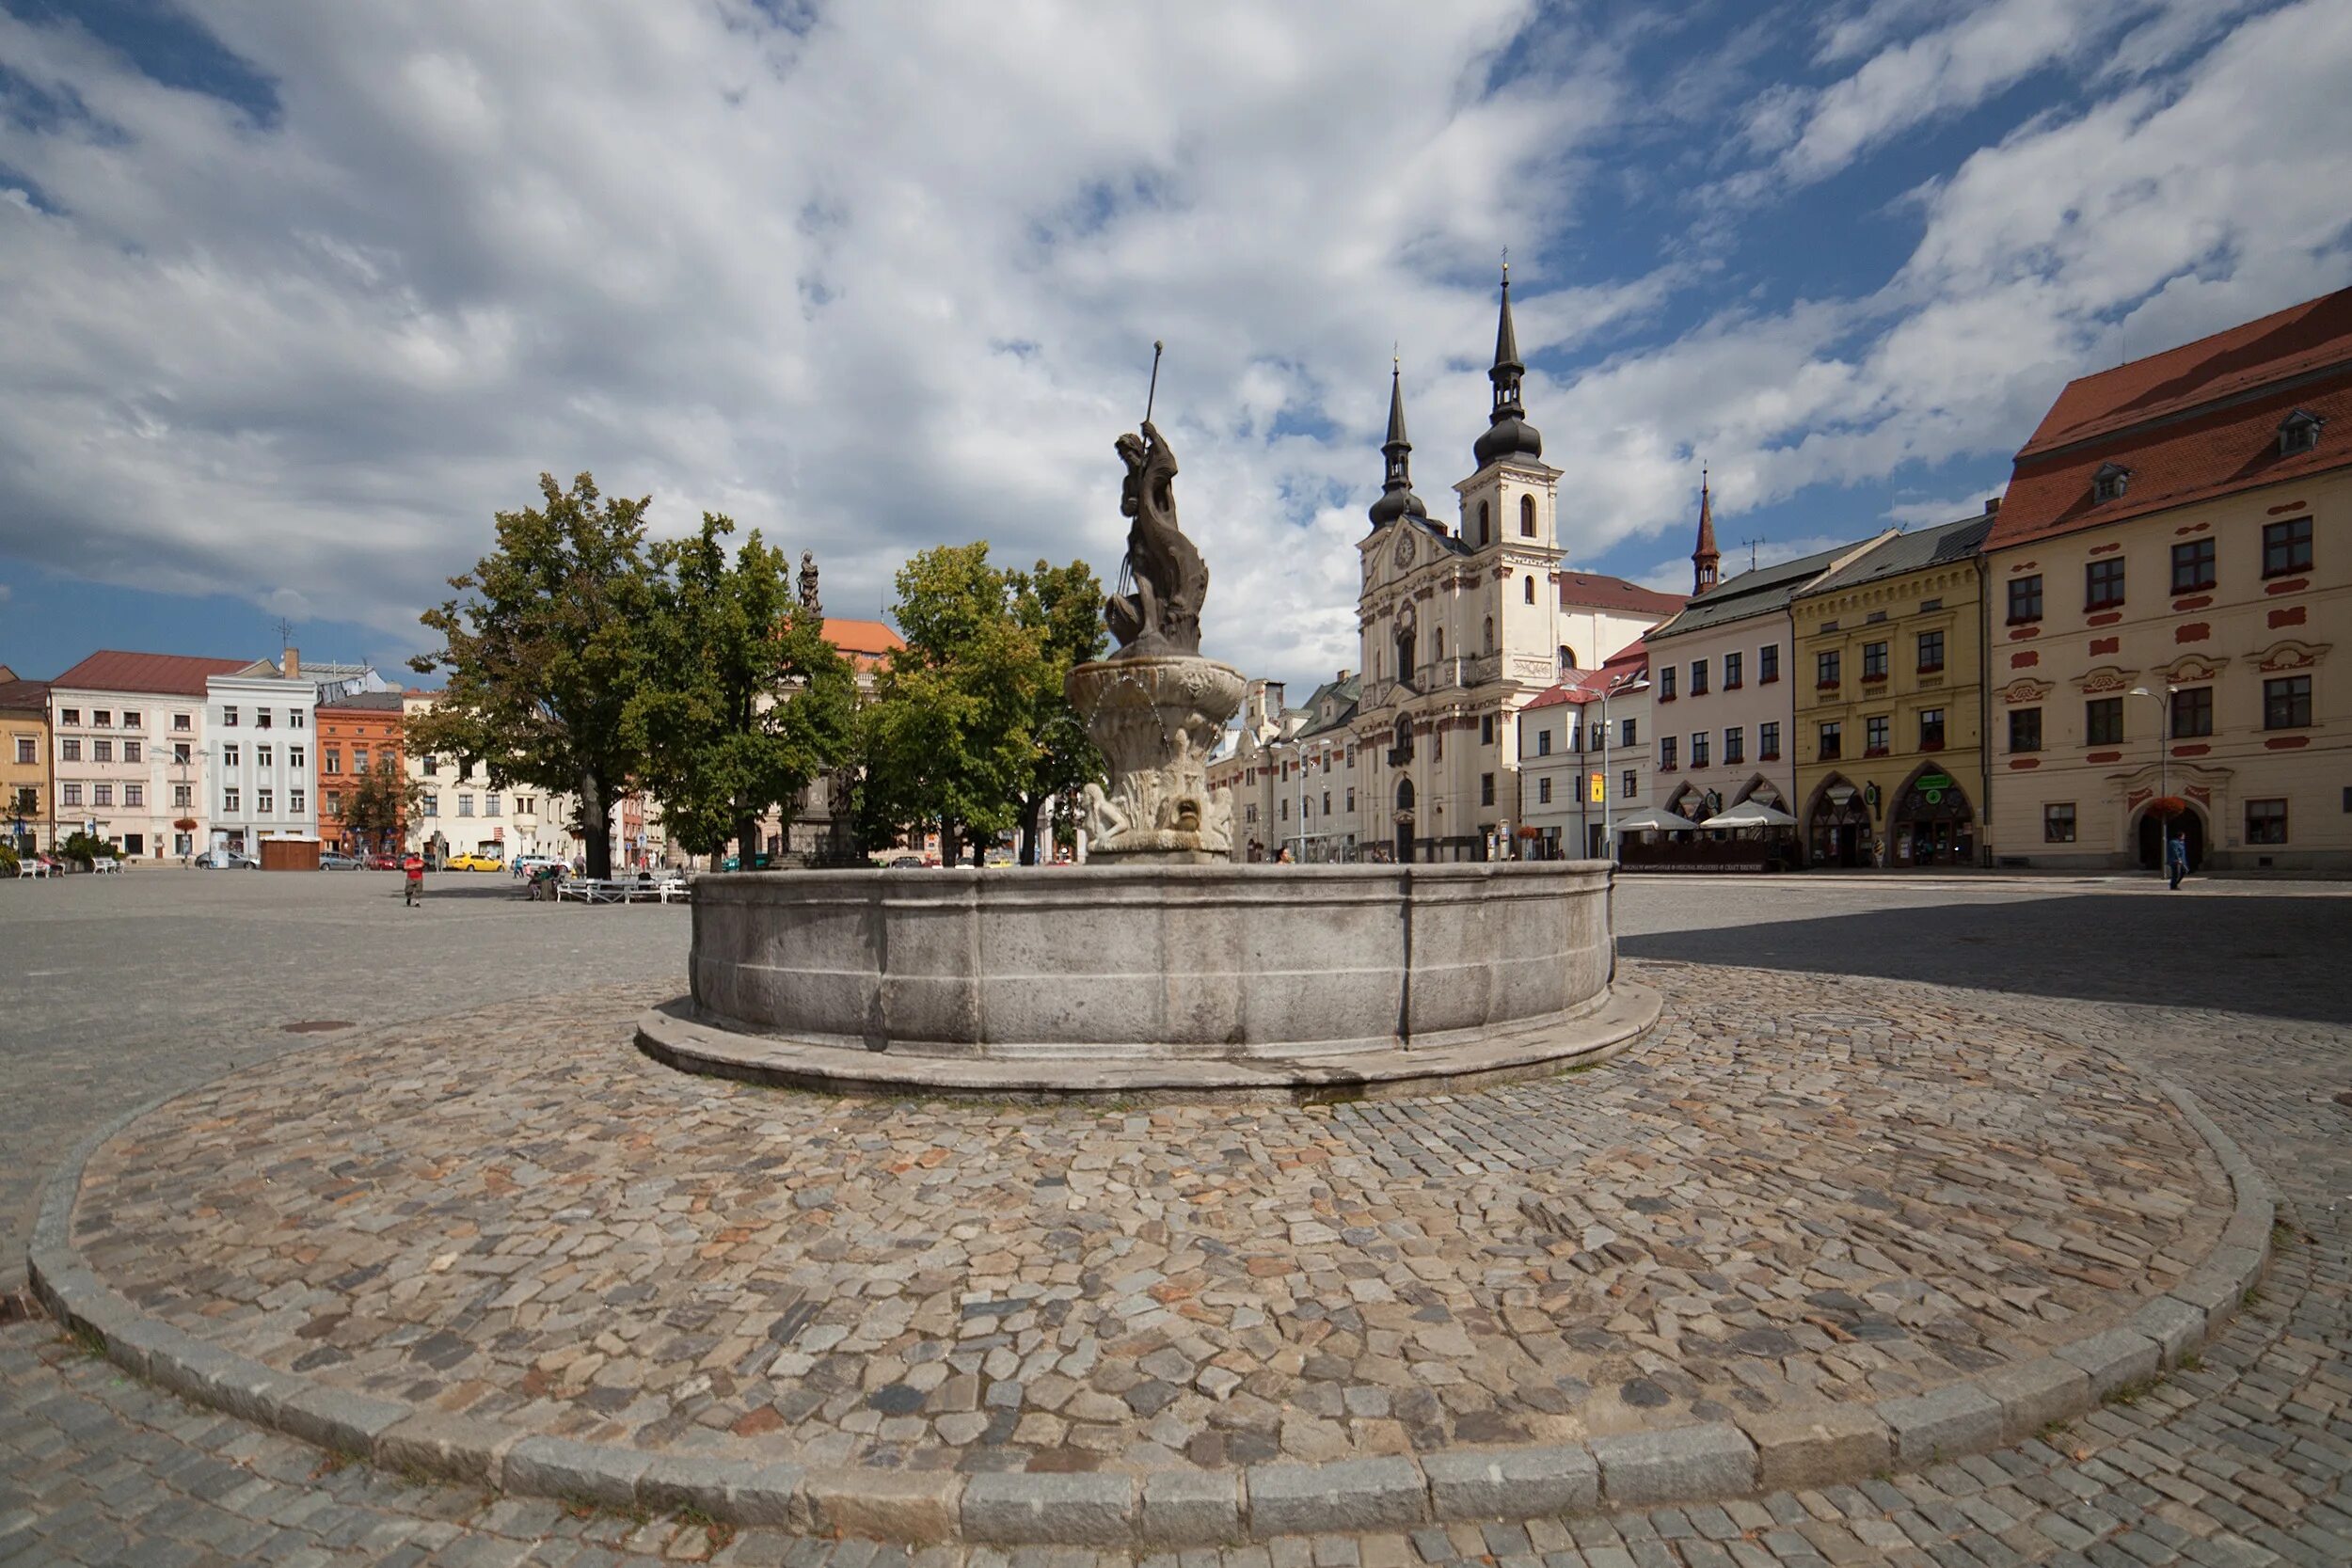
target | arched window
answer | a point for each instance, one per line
(1490, 634)
(1567, 657)
(1529, 590)
(1484, 530)
(1527, 516)
(1404, 649)
(1438, 643)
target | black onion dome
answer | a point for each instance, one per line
(1508, 437)
(1508, 433)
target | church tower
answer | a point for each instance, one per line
(1396, 486)
(1704, 559)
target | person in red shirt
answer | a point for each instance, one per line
(414, 868)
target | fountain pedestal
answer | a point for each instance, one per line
(1155, 720)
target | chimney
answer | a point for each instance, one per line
(1344, 673)
(292, 666)
(1991, 504)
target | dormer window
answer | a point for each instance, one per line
(2109, 483)
(2298, 432)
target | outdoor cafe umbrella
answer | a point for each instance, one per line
(1751, 813)
(1654, 820)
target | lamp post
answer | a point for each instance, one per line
(2164, 761)
(1623, 685)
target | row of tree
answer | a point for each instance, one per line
(582, 658)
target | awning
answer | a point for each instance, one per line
(1654, 821)
(1751, 813)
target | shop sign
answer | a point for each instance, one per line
(1933, 785)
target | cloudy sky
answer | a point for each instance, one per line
(295, 296)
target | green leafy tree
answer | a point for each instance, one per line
(380, 804)
(748, 704)
(545, 653)
(86, 849)
(1063, 605)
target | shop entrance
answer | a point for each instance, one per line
(1837, 830)
(2151, 832)
(1933, 822)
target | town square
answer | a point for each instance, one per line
(750, 817)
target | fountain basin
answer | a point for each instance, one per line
(1100, 978)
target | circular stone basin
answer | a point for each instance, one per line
(514, 1214)
(1153, 961)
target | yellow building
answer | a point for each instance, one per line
(25, 802)
(1889, 702)
(2196, 498)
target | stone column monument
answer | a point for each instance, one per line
(1156, 707)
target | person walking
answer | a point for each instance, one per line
(413, 869)
(2176, 858)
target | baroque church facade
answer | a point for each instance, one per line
(1460, 626)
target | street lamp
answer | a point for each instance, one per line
(1623, 686)
(2164, 760)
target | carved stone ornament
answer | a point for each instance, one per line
(2290, 654)
(1163, 614)
(2025, 691)
(2106, 678)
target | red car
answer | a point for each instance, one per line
(383, 863)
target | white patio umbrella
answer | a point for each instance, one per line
(1751, 813)
(1654, 820)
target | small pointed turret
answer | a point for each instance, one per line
(1508, 433)
(1396, 486)
(1704, 560)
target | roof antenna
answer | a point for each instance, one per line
(1751, 544)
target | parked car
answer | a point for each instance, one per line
(229, 860)
(528, 865)
(332, 862)
(473, 862)
(905, 862)
(383, 863)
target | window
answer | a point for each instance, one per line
(1490, 634)
(293, 719)
(2025, 599)
(1698, 748)
(184, 796)
(1527, 516)
(2058, 822)
(68, 749)
(1666, 753)
(2192, 566)
(1485, 730)
(2102, 584)
(1484, 523)
(2024, 729)
(1625, 731)
(432, 766)
(1528, 590)
(1486, 789)
(334, 803)
(2287, 703)
(1768, 664)
(101, 750)
(1633, 783)
(266, 801)
(1735, 746)
(1832, 743)
(102, 795)
(430, 805)
(1568, 658)
(134, 795)
(228, 718)
(1874, 661)
(1874, 731)
(263, 756)
(465, 805)
(2299, 433)
(1731, 672)
(1665, 683)
(228, 756)
(131, 751)
(331, 760)
(70, 716)
(230, 800)
(293, 756)
(2286, 547)
(1767, 742)
(131, 719)
(24, 749)
(2265, 821)
(1543, 790)
(183, 844)
(101, 719)
(1698, 678)
(297, 800)
(1543, 743)
(1825, 669)
(1931, 729)
(525, 804)
(2192, 711)
(70, 794)
(1283, 807)
(260, 717)
(1931, 652)
(181, 753)
(2110, 482)
(2102, 722)
(178, 721)
(1351, 797)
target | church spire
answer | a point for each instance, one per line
(1508, 433)
(1704, 559)
(1396, 486)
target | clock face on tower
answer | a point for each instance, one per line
(1405, 549)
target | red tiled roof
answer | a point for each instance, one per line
(1585, 684)
(2295, 342)
(1592, 590)
(2211, 452)
(172, 674)
(864, 642)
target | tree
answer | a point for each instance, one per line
(377, 808)
(543, 658)
(1064, 605)
(750, 704)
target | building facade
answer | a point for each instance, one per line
(1462, 627)
(1584, 758)
(2168, 574)
(360, 735)
(24, 765)
(129, 754)
(262, 769)
(456, 810)
(1890, 732)
(1291, 775)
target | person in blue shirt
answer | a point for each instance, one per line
(2176, 858)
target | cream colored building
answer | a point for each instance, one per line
(129, 754)
(457, 811)
(1584, 758)
(1291, 775)
(2168, 578)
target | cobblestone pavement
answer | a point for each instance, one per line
(2241, 1460)
(1790, 1194)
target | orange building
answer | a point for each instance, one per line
(357, 735)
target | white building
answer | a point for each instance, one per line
(127, 732)
(262, 780)
(1291, 774)
(1584, 758)
(458, 811)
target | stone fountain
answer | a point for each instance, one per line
(1160, 968)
